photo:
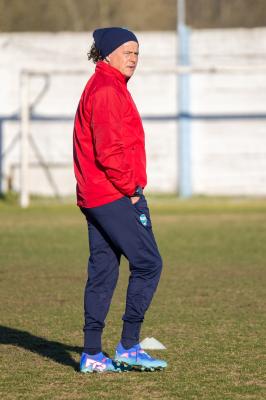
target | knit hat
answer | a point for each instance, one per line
(108, 39)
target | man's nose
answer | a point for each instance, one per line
(133, 58)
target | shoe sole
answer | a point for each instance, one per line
(94, 371)
(139, 368)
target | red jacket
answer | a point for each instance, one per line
(109, 148)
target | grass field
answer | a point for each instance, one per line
(209, 310)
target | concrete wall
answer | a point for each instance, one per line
(227, 128)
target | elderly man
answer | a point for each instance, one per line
(110, 169)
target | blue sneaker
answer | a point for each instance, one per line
(97, 363)
(137, 358)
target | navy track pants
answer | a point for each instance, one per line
(114, 229)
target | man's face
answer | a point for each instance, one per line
(125, 58)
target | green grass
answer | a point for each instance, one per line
(209, 309)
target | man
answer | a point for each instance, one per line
(110, 169)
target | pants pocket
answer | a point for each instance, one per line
(143, 212)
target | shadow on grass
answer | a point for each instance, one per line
(56, 351)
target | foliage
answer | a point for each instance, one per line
(85, 15)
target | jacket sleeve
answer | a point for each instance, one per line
(107, 130)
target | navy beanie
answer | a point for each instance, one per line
(108, 39)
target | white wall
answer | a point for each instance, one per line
(228, 155)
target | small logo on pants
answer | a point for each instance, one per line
(143, 219)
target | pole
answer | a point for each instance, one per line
(24, 129)
(184, 145)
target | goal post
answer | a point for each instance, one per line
(24, 197)
(25, 118)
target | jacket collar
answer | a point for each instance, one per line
(105, 68)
